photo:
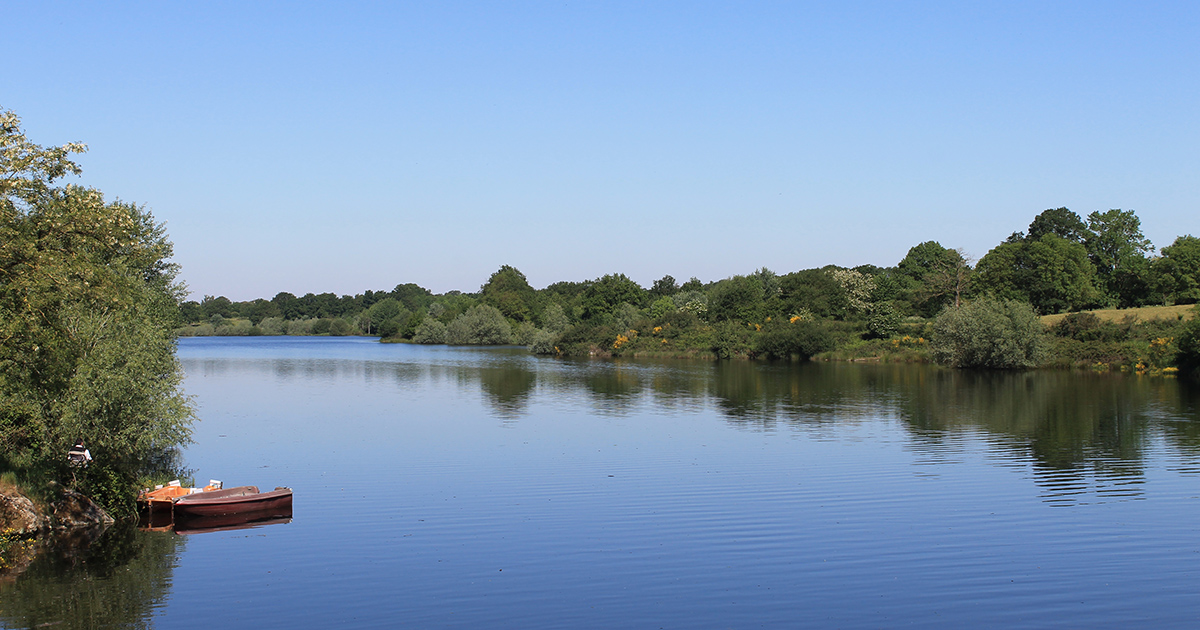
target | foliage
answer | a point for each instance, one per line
(604, 294)
(664, 287)
(737, 299)
(1051, 273)
(481, 325)
(626, 316)
(694, 302)
(883, 320)
(1187, 356)
(662, 306)
(812, 290)
(1060, 222)
(857, 287)
(88, 302)
(1118, 250)
(508, 291)
(544, 342)
(1177, 271)
(781, 339)
(430, 331)
(988, 333)
(554, 320)
(731, 339)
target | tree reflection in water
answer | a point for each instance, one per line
(117, 580)
(1084, 435)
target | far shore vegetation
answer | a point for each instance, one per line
(1067, 292)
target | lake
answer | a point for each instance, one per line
(440, 487)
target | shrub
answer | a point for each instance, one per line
(543, 342)
(523, 333)
(1002, 334)
(1086, 327)
(430, 331)
(783, 339)
(1187, 353)
(730, 339)
(339, 327)
(883, 321)
(481, 325)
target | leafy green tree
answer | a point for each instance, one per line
(987, 333)
(814, 291)
(739, 298)
(508, 291)
(1177, 271)
(603, 295)
(662, 306)
(385, 310)
(412, 296)
(289, 306)
(1051, 273)
(217, 306)
(260, 309)
(1060, 222)
(883, 320)
(930, 275)
(190, 312)
(554, 319)
(88, 303)
(664, 287)
(1118, 251)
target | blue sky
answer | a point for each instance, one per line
(312, 147)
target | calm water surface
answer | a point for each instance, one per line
(486, 488)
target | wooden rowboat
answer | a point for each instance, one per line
(234, 501)
(163, 497)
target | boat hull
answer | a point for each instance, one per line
(235, 501)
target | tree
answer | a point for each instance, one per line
(1060, 222)
(929, 274)
(509, 292)
(604, 294)
(664, 287)
(856, 286)
(987, 333)
(1051, 273)
(736, 299)
(88, 302)
(1118, 250)
(554, 320)
(1177, 271)
(217, 306)
(812, 290)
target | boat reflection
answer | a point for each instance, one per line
(163, 522)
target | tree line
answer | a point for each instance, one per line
(1061, 263)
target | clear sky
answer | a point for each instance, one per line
(312, 147)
